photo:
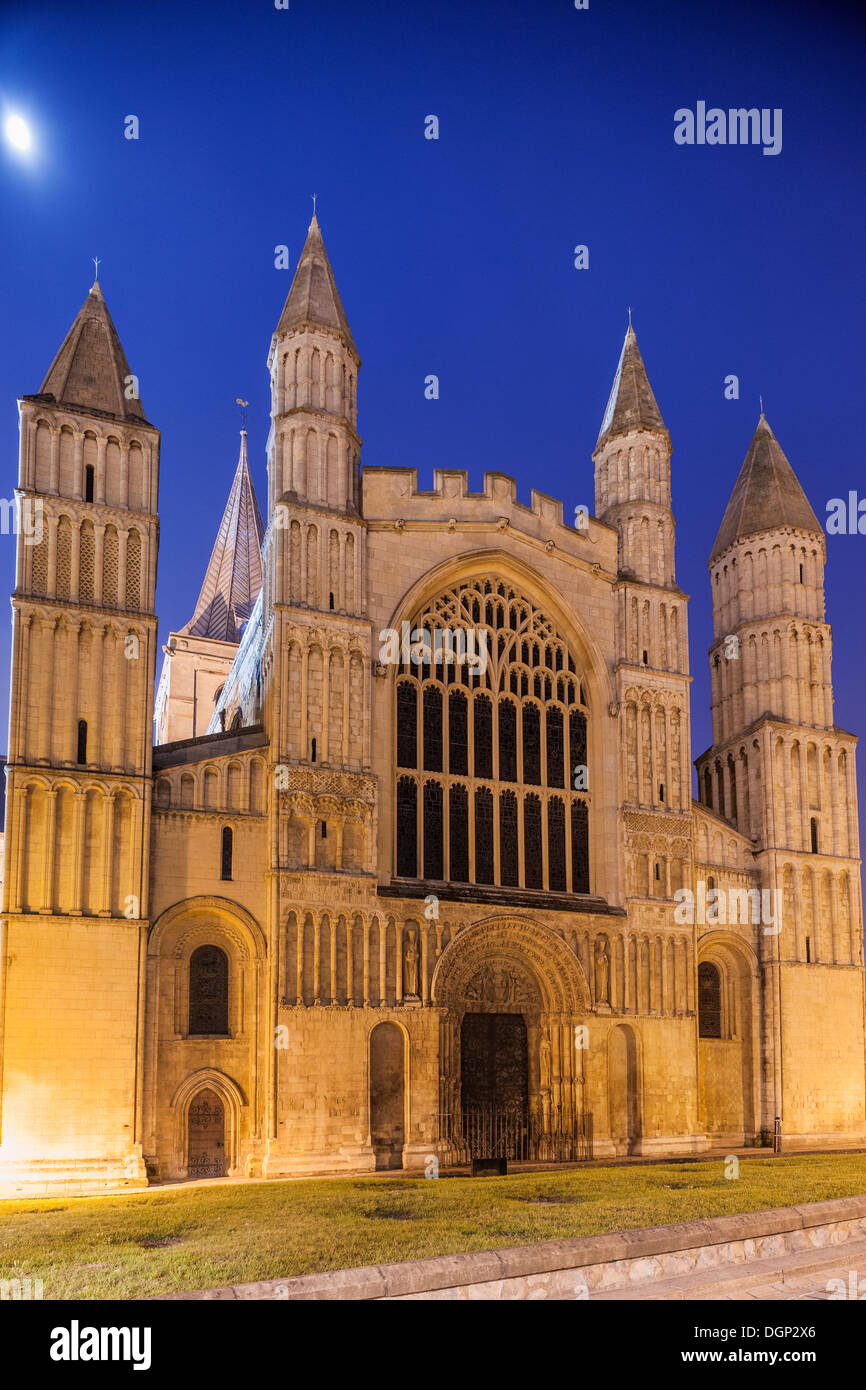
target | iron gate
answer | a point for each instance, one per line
(490, 1131)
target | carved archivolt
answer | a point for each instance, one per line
(513, 945)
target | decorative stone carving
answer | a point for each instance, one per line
(410, 968)
(602, 973)
(497, 985)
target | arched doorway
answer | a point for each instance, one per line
(388, 1094)
(512, 993)
(494, 1084)
(727, 1025)
(207, 1129)
(624, 1098)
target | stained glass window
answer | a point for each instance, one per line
(458, 833)
(709, 1000)
(507, 742)
(407, 828)
(556, 845)
(531, 745)
(506, 662)
(433, 867)
(483, 835)
(555, 749)
(579, 848)
(534, 865)
(509, 862)
(407, 724)
(577, 738)
(208, 991)
(432, 729)
(458, 744)
(483, 737)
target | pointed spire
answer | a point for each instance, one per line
(632, 404)
(766, 495)
(313, 297)
(233, 578)
(90, 371)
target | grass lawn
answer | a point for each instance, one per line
(140, 1245)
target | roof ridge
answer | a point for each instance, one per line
(90, 369)
(233, 578)
(766, 496)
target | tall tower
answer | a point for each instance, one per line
(314, 546)
(632, 494)
(316, 660)
(198, 657)
(783, 773)
(79, 775)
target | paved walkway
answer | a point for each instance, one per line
(801, 1276)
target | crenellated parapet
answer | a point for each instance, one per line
(391, 496)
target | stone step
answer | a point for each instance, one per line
(799, 1272)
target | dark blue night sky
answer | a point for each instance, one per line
(454, 257)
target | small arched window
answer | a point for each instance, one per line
(226, 853)
(814, 833)
(88, 484)
(81, 756)
(709, 1000)
(208, 991)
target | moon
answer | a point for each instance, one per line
(17, 132)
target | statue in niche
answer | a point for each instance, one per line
(602, 974)
(544, 1061)
(410, 971)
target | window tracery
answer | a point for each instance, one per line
(491, 722)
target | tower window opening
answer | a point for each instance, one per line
(808, 951)
(324, 830)
(661, 791)
(313, 759)
(646, 658)
(82, 741)
(226, 853)
(331, 601)
(658, 874)
(88, 487)
(814, 830)
(801, 574)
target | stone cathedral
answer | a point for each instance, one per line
(411, 868)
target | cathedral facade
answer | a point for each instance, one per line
(412, 872)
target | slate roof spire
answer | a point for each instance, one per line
(313, 298)
(233, 578)
(767, 494)
(90, 371)
(632, 404)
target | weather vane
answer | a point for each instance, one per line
(314, 196)
(629, 316)
(96, 260)
(243, 405)
(761, 399)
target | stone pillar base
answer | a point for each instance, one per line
(662, 1145)
(836, 1139)
(71, 1177)
(416, 1156)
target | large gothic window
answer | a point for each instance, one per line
(491, 731)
